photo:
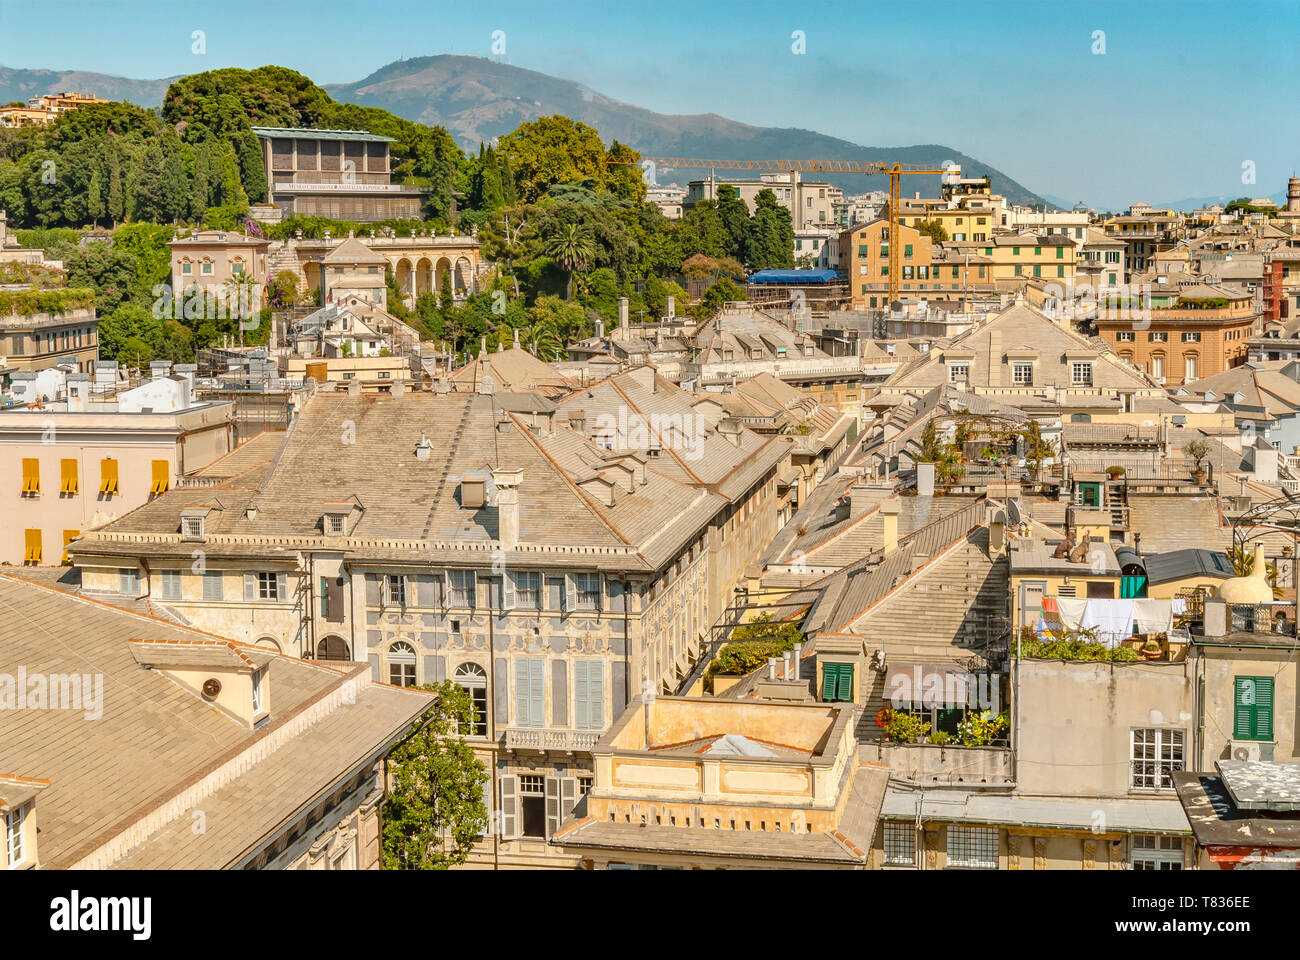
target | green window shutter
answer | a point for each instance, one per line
(1253, 708)
(1038, 271)
(954, 273)
(1015, 251)
(845, 689)
(1060, 269)
(1060, 253)
(862, 250)
(324, 597)
(907, 250)
(988, 251)
(830, 676)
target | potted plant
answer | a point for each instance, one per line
(1198, 450)
(1151, 650)
(1115, 472)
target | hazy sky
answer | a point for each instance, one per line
(1184, 93)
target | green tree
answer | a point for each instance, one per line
(770, 243)
(435, 812)
(552, 150)
(571, 247)
(735, 219)
(934, 230)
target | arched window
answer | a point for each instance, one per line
(471, 678)
(269, 643)
(401, 664)
(332, 648)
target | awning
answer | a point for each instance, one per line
(929, 684)
(1146, 816)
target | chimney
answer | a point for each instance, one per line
(516, 338)
(398, 390)
(507, 483)
(859, 502)
(622, 317)
(730, 429)
(997, 531)
(889, 514)
(925, 479)
(354, 387)
(1216, 617)
(423, 448)
(600, 329)
(482, 348)
(671, 307)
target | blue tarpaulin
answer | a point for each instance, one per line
(794, 276)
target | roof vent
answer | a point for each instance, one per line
(423, 448)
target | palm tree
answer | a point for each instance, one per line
(572, 249)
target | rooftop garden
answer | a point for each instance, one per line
(1071, 644)
(983, 728)
(25, 302)
(751, 645)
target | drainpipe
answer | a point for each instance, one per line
(492, 718)
(627, 644)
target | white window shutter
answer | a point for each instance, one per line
(509, 807)
(282, 586)
(579, 694)
(537, 693)
(553, 812)
(250, 586)
(568, 795)
(407, 585)
(507, 591)
(595, 694)
(473, 590)
(570, 593)
(522, 674)
(446, 589)
(487, 807)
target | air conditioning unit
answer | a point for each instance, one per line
(1245, 750)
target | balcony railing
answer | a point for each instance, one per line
(548, 738)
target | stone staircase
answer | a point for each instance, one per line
(283, 255)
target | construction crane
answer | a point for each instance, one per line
(869, 167)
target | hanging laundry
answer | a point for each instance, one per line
(1111, 619)
(1153, 616)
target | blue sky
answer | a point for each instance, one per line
(1185, 93)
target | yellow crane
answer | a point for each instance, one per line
(870, 167)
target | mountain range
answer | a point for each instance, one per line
(476, 99)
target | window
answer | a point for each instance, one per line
(268, 587)
(1125, 336)
(161, 479)
(68, 477)
(900, 844)
(128, 582)
(68, 537)
(1022, 374)
(1191, 365)
(108, 477)
(237, 268)
(1155, 755)
(837, 682)
(206, 269)
(588, 694)
(471, 678)
(212, 586)
(973, 847)
(907, 249)
(169, 587)
(257, 692)
(532, 801)
(530, 692)
(1252, 708)
(1158, 336)
(1038, 270)
(31, 477)
(587, 590)
(1151, 852)
(14, 820)
(394, 590)
(1081, 373)
(1192, 336)
(528, 590)
(192, 528)
(959, 372)
(1157, 366)
(187, 268)
(401, 664)
(32, 546)
(461, 589)
(334, 524)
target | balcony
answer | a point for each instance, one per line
(934, 763)
(549, 738)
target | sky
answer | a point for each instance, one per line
(1104, 102)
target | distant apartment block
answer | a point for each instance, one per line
(811, 203)
(41, 110)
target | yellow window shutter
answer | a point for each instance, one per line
(67, 476)
(160, 479)
(33, 552)
(31, 476)
(68, 537)
(108, 476)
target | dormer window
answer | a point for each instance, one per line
(334, 523)
(14, 847)
(257, 692)
(192, 528)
